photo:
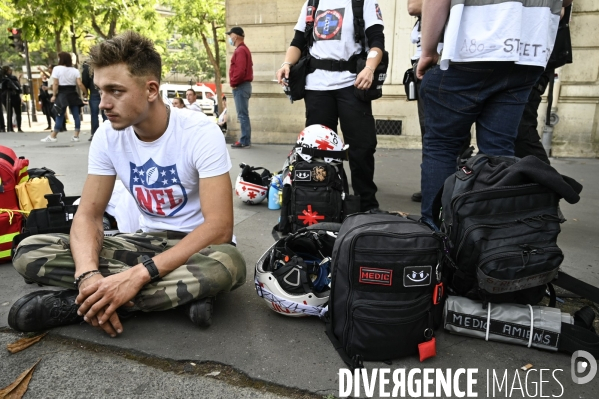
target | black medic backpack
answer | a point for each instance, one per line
(386, 291)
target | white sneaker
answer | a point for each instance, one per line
(49, 139)
(74, 138)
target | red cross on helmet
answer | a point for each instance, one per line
(251, 186)
(318, 138)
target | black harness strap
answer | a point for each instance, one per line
(315, 152)
(308, 32)
(577, 286)
(579, 336)
(7, 159)
(333, 65)
(359, 25)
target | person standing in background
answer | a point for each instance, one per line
(178, 103)
(44, 100)
(94, 98)
(241, 75)
(66, 80)
(191, 96)
(14, 89)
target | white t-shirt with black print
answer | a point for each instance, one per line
(521, 31)
(334, 39)
(163, 176)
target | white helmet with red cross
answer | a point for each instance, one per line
(251, 186)
(318, 141)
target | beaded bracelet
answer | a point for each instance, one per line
(85, 276)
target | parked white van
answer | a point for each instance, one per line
(169, 91)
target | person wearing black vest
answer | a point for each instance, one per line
(332, 77)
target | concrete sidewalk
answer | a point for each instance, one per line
(28, 126)
(296, 352)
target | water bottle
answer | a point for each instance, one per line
(273, 193)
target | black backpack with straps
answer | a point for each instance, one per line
(317, 192)
(502, 217)
(387, 288)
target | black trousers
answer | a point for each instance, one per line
(528, 141)
(333, 107)
(15, 104)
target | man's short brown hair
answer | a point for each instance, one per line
(129, 48)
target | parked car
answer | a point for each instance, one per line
(169, 91)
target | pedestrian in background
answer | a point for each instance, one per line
(192, 97)
(241, 75)
(13, 88)
(87, 78)
(64, 87)
(222, 118)
(178, 103)
(48, 74)
(44, 100)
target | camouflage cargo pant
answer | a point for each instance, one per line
(46, 259)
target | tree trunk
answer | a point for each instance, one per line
(74, 44)
(57, 33)
(215, 61)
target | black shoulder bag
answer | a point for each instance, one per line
(296, 89)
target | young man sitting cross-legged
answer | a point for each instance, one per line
(176, 166)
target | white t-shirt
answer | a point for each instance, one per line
(222, 118)
(195, 107)
(67, 76)
(334, 39)
(163, 176)
(415, 38)
(519, 31)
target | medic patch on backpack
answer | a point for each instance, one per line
(417, 276)
(371, 275)
(328, 24)
(319, 173)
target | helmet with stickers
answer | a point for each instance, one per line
(320, 142)
(251, 186)
(293, 275)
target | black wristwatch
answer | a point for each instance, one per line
(151, 267)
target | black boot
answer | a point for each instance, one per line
(44, 309)
(200, 311)
(417, 197)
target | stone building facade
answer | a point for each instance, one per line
(268, 26)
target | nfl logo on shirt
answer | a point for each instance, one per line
(157, 189)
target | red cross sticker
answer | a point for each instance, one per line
(310, 217)
(324, 145)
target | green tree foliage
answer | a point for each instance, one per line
(44, 19)
(205, 21)
(8, 55)
(51, 26)
(184, 56)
